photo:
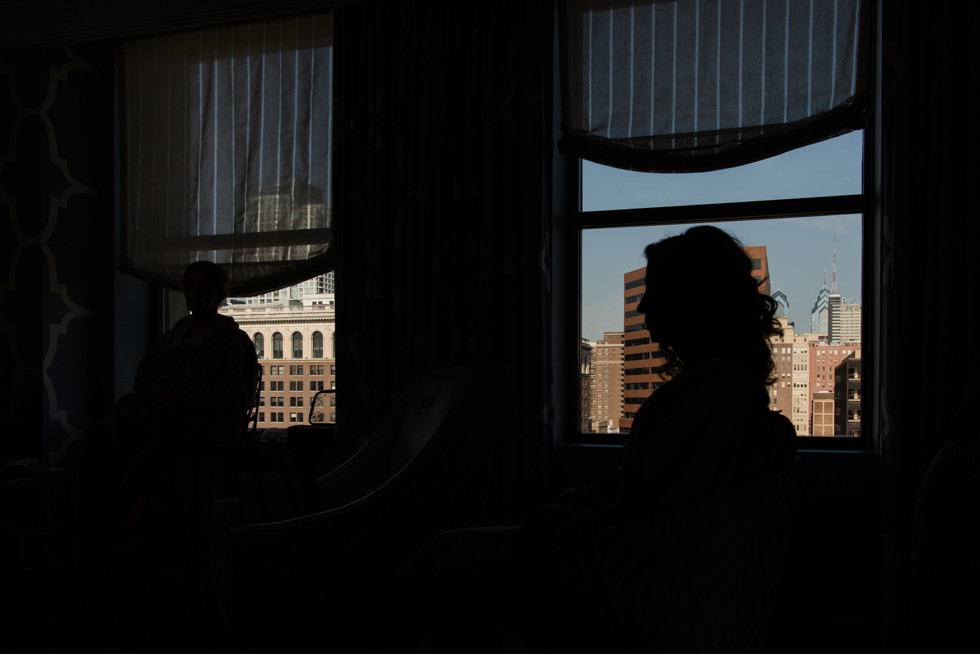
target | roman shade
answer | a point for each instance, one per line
(696, 85)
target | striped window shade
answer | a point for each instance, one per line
(697, 85)
(226, 152)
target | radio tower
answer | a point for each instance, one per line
(833, 305)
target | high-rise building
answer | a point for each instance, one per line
(584, 388)
(319, 285)
(820, 313)
(824, 361)
(606, 383)
(782, 304)
(847, 396)
(781, 392)
(849, 322)
(642, 361)
(791, 392)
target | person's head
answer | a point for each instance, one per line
(701, 300)
(204, 287)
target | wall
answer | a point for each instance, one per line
(56, 246)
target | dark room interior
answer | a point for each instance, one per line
(455, 243)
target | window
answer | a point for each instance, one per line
(803, 213)
(293, 310)
(226, 155)
(317, 345)
(802, 256)
(242, 116)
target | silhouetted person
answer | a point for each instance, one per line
(192, 388)
(591, 569)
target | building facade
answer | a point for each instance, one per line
(295, 345)
(847, 396)
(606, 383)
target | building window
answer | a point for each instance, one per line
(277, 346)
(259, 341)
(297, 345)
(317, 345)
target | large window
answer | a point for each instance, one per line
(754, 117)
(227, 156)
(226, 150)
(800, 216)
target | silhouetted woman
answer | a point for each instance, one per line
(628, 562)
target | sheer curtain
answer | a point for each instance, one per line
(226, 144)
(694, 85)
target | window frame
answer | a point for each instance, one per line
(571, 222)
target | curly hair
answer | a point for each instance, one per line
(705, 280)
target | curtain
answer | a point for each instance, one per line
(443, 255)
(226, 145)
(929, 392)
(696, 85)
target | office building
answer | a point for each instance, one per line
(606, 383)
(296, 348)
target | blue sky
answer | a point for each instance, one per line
(800, 250)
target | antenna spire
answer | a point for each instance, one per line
(833, 283)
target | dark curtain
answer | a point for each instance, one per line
(442, 208)
(931, 79)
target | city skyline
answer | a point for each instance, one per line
(801, 250)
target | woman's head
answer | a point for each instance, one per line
(702, 300)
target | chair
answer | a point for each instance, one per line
(424, 470)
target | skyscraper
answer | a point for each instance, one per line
(820, 313)
(782, 304)
(606, 382)
(319, 285)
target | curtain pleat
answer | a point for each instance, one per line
(226, 152)
(695, 85)
(442, 194)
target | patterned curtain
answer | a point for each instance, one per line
(442, 203)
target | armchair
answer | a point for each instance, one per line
(424, 470)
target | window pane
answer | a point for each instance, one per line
(295, 320)
(831, 167)
(299, 316)
(813, 268)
